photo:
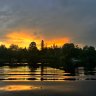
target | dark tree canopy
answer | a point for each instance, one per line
(68, 55)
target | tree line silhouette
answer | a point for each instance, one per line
(69, 55)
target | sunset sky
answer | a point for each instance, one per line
(55, 21)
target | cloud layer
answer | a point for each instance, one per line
(49, 19)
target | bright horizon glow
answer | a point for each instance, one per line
(24, 37)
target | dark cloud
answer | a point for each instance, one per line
(75, 19)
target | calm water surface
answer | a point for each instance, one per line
(26, 73)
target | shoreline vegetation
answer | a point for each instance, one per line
(68, 56)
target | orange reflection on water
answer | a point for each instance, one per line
(18, 88)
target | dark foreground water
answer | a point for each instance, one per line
(47, 81)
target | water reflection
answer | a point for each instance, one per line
(18, 88)
(43, 73)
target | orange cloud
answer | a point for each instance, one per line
(21, 38)
(1, 43)
(58, 41)
(24, 37)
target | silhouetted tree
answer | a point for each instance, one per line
(69, 56)
(13, 53)
(33, 53)
(89, 56)
(3, 54)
